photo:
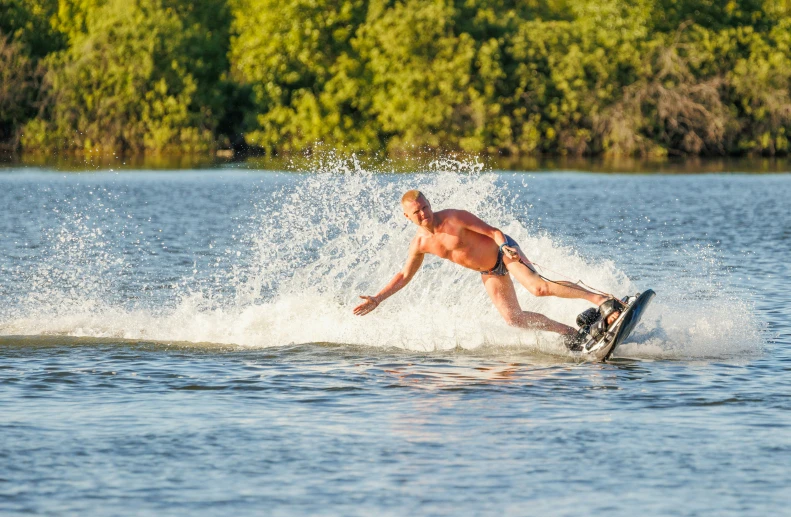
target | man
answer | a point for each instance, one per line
(464, 239)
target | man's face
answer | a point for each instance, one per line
(419, 211)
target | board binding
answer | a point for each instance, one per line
(601, 347)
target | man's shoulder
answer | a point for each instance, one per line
(418, 241)
(453, 213)
(458, 217)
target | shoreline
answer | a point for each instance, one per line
(406, 163)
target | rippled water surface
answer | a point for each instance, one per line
(182, 342)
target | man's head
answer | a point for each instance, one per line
(417, 208)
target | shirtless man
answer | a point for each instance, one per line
(464, 239)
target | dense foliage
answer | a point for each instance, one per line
(640, 77)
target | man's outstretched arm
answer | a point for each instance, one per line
(402, 278)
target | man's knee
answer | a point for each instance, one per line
(539, 289)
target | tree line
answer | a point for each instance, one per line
(516, 77)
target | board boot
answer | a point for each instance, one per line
(585, 319)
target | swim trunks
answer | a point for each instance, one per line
(499, 268)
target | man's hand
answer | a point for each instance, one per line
(367, 306)
(511, 252)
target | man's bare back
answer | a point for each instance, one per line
(464, 239)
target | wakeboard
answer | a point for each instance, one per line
(600, 347)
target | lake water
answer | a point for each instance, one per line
(183, 342)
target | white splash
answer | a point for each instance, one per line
(331, 235)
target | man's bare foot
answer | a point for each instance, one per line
(613, 307)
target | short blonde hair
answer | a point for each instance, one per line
(412, 195)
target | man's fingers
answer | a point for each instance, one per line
(365, 307)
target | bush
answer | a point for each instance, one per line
(306, 78)
(28, 23)
(569, 77)
(122, 85)
(18, 86)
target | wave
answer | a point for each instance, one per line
(314, 242)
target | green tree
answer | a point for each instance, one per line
(716, 15)
(121, 85)
(205, 55)
(26, 35)
(18, 85)
(564, 73)
(420, 69)
(759, 90)
(29, 24)
(306, 78)
(495, 76)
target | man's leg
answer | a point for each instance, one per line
(501, 291)
(540, 287)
